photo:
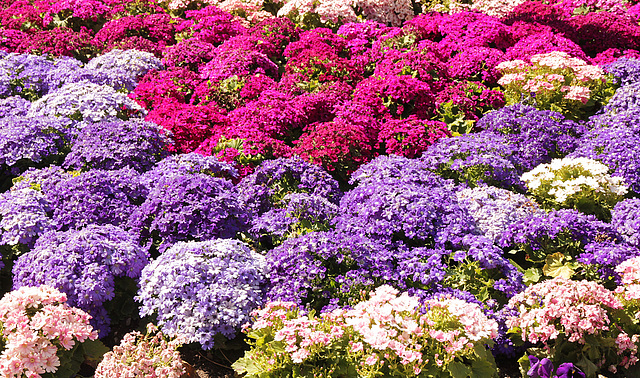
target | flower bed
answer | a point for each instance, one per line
(430, 188)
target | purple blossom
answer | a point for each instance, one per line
(616, 147)
(202, 289)
(626, 71)
(188, 164)
(625, 219)
(538, 135)
(118, 144)
(273, 179)
(424, 213)
(84, 264)
(494, 209)
(14, 106)
(95, 197)
(322, 270)
(189, 207)
(24, 217)
(32, 141)
(626, 98)
(476, 159)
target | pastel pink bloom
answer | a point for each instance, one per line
(577, 93)
(371, 360)
(512, 65)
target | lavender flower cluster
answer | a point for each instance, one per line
(203, 289)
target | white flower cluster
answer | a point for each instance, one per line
(564, 178)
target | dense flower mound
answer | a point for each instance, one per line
(151, 354)
(84, 264)
(476, 159)
(579, 183)
(618, 148)
(95, 197)
(173, 288)
(625, 220)
(564, 313)
(118, 144)
(265, 188)
(441, 335)
(39, 329)
(86, 101)
(398, 210)
(538, 135)
(188, 207)
(494, 209)
(31, 141)
(24, 217)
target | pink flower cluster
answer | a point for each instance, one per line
(561, 306)
(388, 331)
(36, 324)
(150, 356)
(630, 289)
(555, 78)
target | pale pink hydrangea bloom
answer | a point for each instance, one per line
(516, 64)
(512, 77)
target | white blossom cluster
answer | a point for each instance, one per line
(565, 178)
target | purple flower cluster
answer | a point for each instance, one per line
(566, 231)
(24, 217)
(324, 270)
(626, 71)
(476, 159)
(494, 209)
(33, 141)
(86, 101)
(626, 98)
(416, 213)
(616, 147)
(272, 180)
(303, 213)
(118, 144)
(538, 135)
(84, 264)
(625, 219)
(188, 207)
(95, 197)
(203, 289)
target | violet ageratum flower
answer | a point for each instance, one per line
(83, 264)
(202, 289)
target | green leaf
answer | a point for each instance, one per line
(482, 368)
(556, 267)
(247, 365)
(459, 370)
(532, 276)
(93, 350)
